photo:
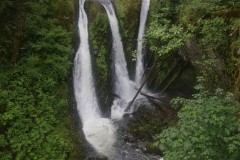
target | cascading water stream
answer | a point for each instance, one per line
(141, 31)
(123, 86)
(99, 132)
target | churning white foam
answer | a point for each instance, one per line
(100, 132)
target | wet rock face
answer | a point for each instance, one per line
(146, 123)
(146, 147)
(129, 139)
(129, 148)
(101, 157)
(143, 125)
(98, 157)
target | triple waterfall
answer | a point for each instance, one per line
(99, 131)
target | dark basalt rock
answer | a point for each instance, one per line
(98, 157)
(101, 157)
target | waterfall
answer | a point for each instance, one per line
(123, 86)
(143, 19)
(99, 132)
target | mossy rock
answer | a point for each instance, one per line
(151, 148)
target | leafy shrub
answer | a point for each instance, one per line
(164, 37)
(208, 128)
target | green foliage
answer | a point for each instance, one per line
(213, 20)
(165, 38)
(214, 34)
(7, 28)
(32, 112)
(194, 10)
(202, 31)
(191, 11)
(209, 125)
(208, 128)
(127, 14)
(214, 73)
(99, 38)
(33, 94)
(4, 4)
(134, 55)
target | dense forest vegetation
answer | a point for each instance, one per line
(206, 34)
(36, 52)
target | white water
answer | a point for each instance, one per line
(141, 32)
(123, 86)
(99, 132)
